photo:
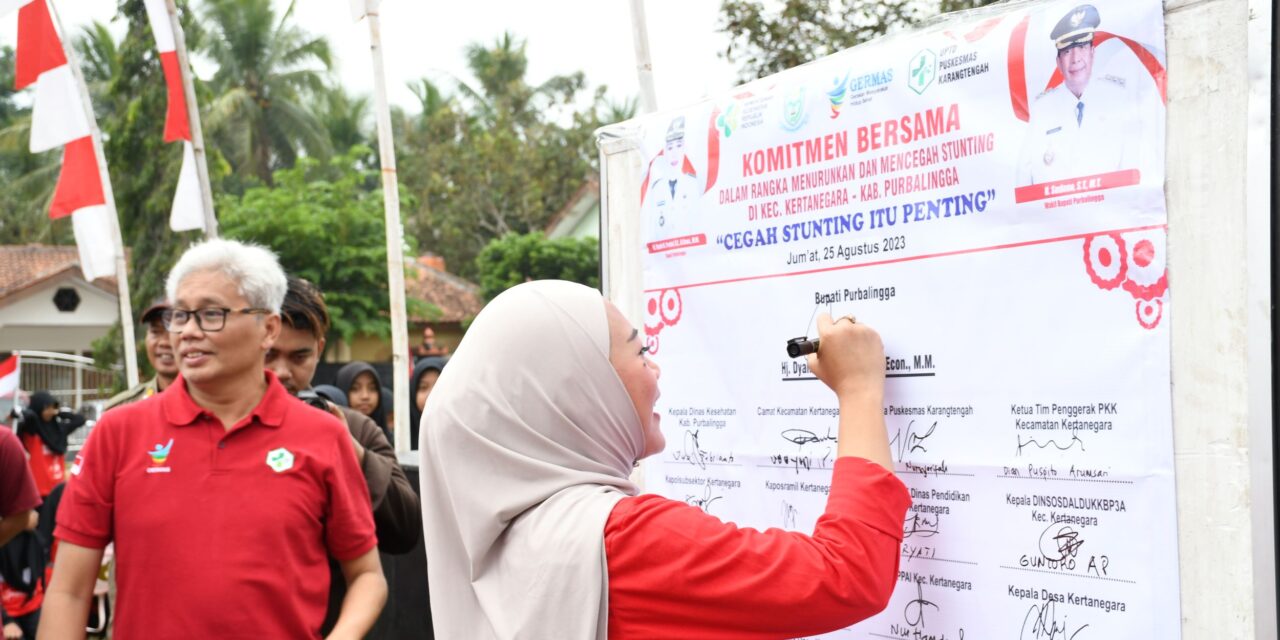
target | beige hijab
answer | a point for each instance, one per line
(527, 442)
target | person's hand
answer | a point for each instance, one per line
(337, 412)
(12, 631)
(850, 357)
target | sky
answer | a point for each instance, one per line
(426, 39)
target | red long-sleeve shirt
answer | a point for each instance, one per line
(676, 572)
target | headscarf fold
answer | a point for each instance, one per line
(347, 376)
(528, 440)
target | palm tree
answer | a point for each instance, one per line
(267, 67)
(504, 94)
(345, 118)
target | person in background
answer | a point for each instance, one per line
(428, 348)
(224, 495)
(19, 611)
(159, 353)
(334, 395)
(388, 403)
(293, 358)
(363, 387)
(18, 495)
(44, 430)
(425, 374)
(527, 449)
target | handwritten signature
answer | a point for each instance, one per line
(704, 502)
(910, 441)
(693, 453)
(1059, 542)
(802, 437)
(789, 513)
(913, 613)
(920, 525)
(1042, 623)
(1075, 441)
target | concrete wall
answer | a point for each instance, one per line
(1227, 567)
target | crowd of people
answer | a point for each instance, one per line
(232, 498)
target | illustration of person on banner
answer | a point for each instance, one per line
(1097, 119)
(672, 187)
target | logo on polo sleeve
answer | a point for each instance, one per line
(159, 455)
(280, 460)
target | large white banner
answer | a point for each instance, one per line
(988, 194)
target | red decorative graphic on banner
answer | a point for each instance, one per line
(1018, 70)
(713, 151)
(682, 242)
(1105, 260)
(1149, 313)
(1136, 263)
(662, 309)
(978, 32)
(1072, 186)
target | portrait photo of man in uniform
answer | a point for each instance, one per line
(671, 188)
(1092, 121)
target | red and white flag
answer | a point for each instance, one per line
(59, 118)
(8, 376)
(188, 205)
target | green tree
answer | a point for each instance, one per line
(346, 118)
(765, 42)
(267, 70)
(27, 178)
(326, 223)
(498, 158)
(507, 261)
(144, 169)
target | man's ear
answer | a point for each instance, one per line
(272, 325)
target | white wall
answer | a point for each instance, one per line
(31, 321)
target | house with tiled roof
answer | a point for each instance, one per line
(435, 298)
(46, 304)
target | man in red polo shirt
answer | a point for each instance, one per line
(224, 495)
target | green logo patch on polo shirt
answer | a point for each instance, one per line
(280, 460)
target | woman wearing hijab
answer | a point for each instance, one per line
(44, 430)
(535, 531)
(363, 387)
(425, 374)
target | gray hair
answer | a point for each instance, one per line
(253, 268)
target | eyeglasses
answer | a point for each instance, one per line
(208, 318)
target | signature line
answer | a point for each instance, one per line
(887, 375)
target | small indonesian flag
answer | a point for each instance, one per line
(8, 376)
(188, 205)
(59, 118)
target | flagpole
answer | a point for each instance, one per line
(400, 363)
(193, 118)
(644, 63)
(122, 268)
